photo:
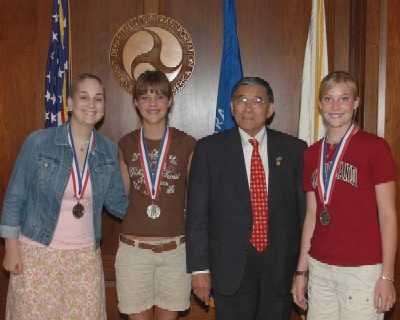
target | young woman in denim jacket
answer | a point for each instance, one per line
(51, 218)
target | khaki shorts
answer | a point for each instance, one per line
(145, 278)
(345, 293)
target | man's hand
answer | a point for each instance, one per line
(201, 284)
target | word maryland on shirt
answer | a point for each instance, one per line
(171, 199)
(346, 172)
(352, 238)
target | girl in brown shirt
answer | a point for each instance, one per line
(152, 281)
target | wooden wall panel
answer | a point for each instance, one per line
(330, 31)
(197, 100)
(338, 19)
(357, 43)
(24, 39)
(94, 24)
(392, 114)
(274, 50)
(22, 76)
(370, 99)
(272, 38)
(342, 35)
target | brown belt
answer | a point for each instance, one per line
(156, 248)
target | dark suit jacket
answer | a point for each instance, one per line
(219, 215)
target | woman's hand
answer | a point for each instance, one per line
(299, 289)
(385, 295)
(12, 259)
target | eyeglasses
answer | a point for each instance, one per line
(256, 102)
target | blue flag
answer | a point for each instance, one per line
(57, 70)
(231, 68)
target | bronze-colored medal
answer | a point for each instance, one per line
(78, 210)
(325, 217)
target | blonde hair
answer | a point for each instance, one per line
(333, 79)
(82, 77)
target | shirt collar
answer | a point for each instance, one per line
(260, 136)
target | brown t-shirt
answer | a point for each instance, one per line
(171, 199)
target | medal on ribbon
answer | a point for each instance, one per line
(327, 176)
(153, 178)
(325, 217)
(79, 181)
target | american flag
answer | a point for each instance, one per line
(57, 70)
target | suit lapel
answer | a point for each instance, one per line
(235, 163)
(275, 166)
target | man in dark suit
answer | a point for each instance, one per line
(248, 283)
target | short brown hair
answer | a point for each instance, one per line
(153, 81)
(82, 77)
(333, 79)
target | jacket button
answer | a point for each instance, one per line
(250, 226)
(245, 249)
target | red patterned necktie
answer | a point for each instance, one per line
(259, 200)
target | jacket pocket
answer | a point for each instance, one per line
(104, 171)
(46, 168)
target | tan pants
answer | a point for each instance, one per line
(342, 293)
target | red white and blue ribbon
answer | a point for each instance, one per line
(79, 181)
(327, 177)
(153, 177)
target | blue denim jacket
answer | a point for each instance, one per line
(39, 178)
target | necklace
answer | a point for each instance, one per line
(82, 144)
(331, 148)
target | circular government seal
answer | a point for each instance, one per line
(152, 42)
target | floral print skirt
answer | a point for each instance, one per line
(57, 284)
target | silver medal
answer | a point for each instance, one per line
(153, 211)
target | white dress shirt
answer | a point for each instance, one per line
(261, 137)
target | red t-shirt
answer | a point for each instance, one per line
(352, 238)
